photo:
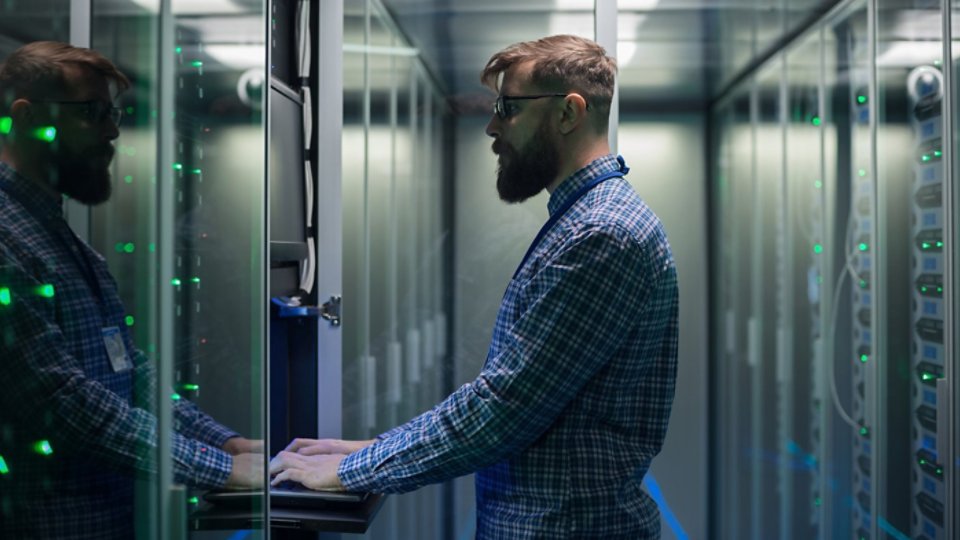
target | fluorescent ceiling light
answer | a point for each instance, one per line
(237, 56)
(194, 7)
(637, 5)
(626, 50)
(913, 53)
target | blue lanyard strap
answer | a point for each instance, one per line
(567, 204)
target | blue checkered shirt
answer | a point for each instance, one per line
(58, 385)
(572, 403)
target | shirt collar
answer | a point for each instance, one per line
(573, 182)
(39, 203)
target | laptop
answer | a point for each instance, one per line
(286, 496)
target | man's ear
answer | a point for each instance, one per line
(573, 114)
(21, 111)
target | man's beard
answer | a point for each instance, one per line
(521, 175)
(84, 178)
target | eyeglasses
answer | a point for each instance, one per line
(500, 106)
(95, 110)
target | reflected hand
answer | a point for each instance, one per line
(313, 447)
(239, 445)
(317, 472)
(247, 472)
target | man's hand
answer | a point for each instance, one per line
(317, 472)
(239, 445)
(313, 447)
(247, 472)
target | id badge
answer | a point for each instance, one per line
(116, 351)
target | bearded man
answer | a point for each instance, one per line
(572, 404)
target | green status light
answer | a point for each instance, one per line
(195, 280)
(178, 50)
(862, 172)
(178, 166)
(46, 133)
(128, 179)
(817, 248)
(864, 358)
(194, 500)
(3, 466)
(43, 447)
(5, 296)
(6, 124)
(175, 396)
(45, 291)
(129, 247)
(818, 184)
(176, 282)
(196, 63)
(864, 431)
(128, 320)
(815, 121)
(817, 501)
(191, 387)
(863, 246)
(861, 99)
(197, 171)
(927, 376)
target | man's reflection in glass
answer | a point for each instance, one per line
(75, 420)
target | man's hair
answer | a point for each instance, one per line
(36, 71)
(562, 63)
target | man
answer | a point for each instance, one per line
(572, 403)
(74, 422)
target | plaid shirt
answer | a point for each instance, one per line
(58, 385)
(573, 400)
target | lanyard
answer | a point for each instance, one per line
(567, 204)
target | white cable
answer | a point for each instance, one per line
(831, 328)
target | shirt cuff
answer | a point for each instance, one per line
(201, 465)
(356, 471)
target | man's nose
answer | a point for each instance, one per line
(493, 127)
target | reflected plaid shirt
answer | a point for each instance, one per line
(58, 385)
(572, 403)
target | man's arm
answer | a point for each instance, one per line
(581, 304)
(43, 382)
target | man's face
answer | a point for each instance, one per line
(77, 162)
(524, 141)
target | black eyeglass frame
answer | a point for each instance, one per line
(500, 109)
(97, 110)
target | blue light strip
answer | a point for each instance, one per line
(654, 490)
(891, 530)
(240, 535)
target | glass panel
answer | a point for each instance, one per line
(215, 224)
(911, 229)
(766, 380)
(802, 446)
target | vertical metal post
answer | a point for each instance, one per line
(166, 193)
(949, 407)
(81, 15)
(329, 133)
(605, 32)
(875, 418)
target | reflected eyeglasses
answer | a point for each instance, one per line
(500, 106)
(95, 110)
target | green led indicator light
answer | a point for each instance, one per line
(923, 461)
(863, 284)
(129, 320)
(939, 244)
(937, 153)
(863, 246)
(196, 63)
(925, 158)
(862, 172)
(178, 50)
(43, 447)
(130, 109)
(175, 396)
(939, 289)
(864, 432)
(817, 248)
(939, 471)
(817, 501)
(176, 282)
(926, 376)
(861, 99)
(923, 288)
(864, 358)
(937, 63)
(45, 291)
(129, 247)
(195, 280)
(128, 179)
(152, 247)
(818, 184)
(194, 500)
(815, 120)
(196, 171)
(6, 124)
(3, 466)
(192, 387)
(178, 166)
(4, 296)
(46, 134)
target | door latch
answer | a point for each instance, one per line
(330, 310)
